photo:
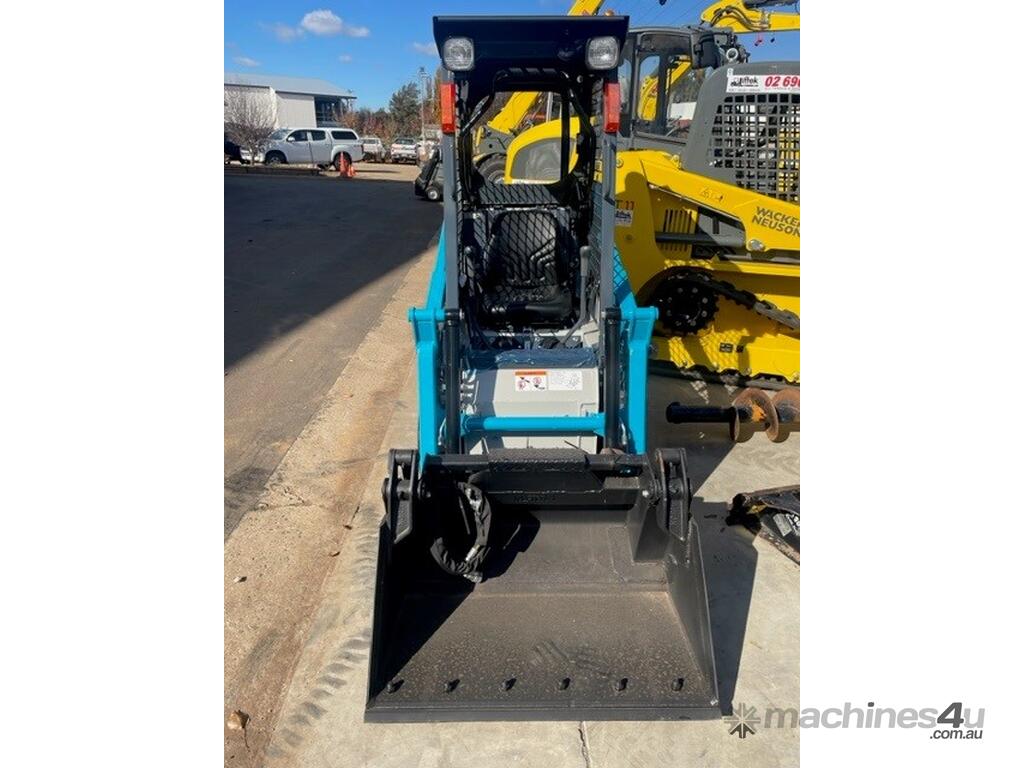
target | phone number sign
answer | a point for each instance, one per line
(761, 83)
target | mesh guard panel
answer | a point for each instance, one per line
(756, 138)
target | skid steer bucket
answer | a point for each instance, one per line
(534, 561)
(587, 607)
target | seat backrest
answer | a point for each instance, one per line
(528, 268)
(523, 250)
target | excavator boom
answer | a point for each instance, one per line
(748, 16)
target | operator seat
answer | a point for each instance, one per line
(528, 267)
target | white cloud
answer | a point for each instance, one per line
(345, 58)
(283, 32)
(326, 23)
(322, 22)
(245, 61)
(430, 49)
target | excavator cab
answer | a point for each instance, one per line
(664, 67)
(535, 562)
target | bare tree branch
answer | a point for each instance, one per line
(249, 117)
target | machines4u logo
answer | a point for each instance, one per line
(954, 721)
(742, 722)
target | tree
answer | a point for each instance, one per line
(249, 117)
(432, 99)
(405, 110)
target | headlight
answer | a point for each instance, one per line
(458, 54)
(602, 52)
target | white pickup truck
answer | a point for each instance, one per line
(315, 146)
(404, 151)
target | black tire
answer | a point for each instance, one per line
(433, 194)
(274, 158)
(493, 169)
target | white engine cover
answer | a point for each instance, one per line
(530, 390)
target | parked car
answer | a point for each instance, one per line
(424, 149)
(403, 151)
(316, 146)
(374, 149)
(429, 183)
(234, 152)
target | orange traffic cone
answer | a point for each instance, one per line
(345, 169)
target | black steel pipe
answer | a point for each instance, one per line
(677, 413)
(546, 459)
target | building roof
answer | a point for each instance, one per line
(306, 85)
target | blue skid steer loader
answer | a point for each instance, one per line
(535, 563)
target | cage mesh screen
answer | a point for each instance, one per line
(756, 137)
(520, 272)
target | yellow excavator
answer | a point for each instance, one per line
(707, 191)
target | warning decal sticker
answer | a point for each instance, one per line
(531, 381)
(761, 83)
(624, 214)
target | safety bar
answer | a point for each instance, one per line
(593, 422)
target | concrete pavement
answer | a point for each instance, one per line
(313, 423)
(308, 265)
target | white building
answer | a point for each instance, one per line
(298, 101)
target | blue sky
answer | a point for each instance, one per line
(374, 46)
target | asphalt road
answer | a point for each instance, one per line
(308, 265)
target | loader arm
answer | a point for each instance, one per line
(760, 223)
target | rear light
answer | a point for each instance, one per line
(448, 108)
(612, 107)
